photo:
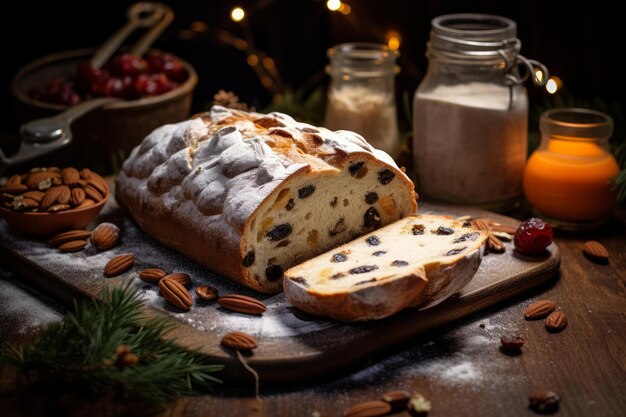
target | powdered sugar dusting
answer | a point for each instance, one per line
(85, 270)
(467, 357)
(26, 312)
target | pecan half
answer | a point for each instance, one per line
(239, 341)
(105, 236)
(153, 275)
(242, 304)
(64, 237)
(119, 264)
(539, 309)
(174, 292)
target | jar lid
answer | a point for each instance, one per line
(474, 34)
(364, 59)
(576, 123)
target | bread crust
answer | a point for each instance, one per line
(369, 302)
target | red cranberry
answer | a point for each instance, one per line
(126, 64)
(69, 96)
(126, 76)
(533, 236)
(86, 74)
(174, 70)
(60, 91)
(114, 87)
(154, 62)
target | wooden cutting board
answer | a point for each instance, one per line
(293, 345)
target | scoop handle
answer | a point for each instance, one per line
(140, 15)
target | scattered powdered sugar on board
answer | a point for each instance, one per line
(85, 270)
(451, 360)
(278, 321)
(466, 357)
(26, 311)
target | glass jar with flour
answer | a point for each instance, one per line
(471, 112)
(361, 96)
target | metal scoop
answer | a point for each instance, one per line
(43, 136)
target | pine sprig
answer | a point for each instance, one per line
(108, 346)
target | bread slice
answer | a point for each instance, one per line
(417, 261)
(250, 195)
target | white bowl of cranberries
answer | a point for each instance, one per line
(154, 90)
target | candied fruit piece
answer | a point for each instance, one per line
(533, 236)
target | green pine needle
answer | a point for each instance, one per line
(82, 348)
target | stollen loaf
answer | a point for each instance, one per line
(417, 261)
(250, 195)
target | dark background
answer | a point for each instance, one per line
(579, 41)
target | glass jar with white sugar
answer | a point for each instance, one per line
(471, 112)
(361, 96)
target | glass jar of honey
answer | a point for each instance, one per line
(567, 180)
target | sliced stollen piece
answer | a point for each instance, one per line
(417, 261)
(250, 195)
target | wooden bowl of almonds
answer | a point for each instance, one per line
(50, 200)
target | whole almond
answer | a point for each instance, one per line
(64, 237)
(207, 292)
(182, 278)
(239, 341)
(98, 185)
(54, 195)
(73, 246)
(64, 194)
(102, 184)
(14, 180)
(539, 309)
(105, 236)
(242, 304)
(556, 322)
(119, 264)
(596, 252)
(58, 207)
(92, 193)
(398, 400)
(35, 178)
(86, 203)
(35, 195)
(174, 292)
(86, 173)
(153, 275)
(14, 189)
(77, 197)
(70, 176)
(368, 409)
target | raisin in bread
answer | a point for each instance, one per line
(417, 261)
(250, 195)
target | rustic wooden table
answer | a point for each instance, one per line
(459, 368)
